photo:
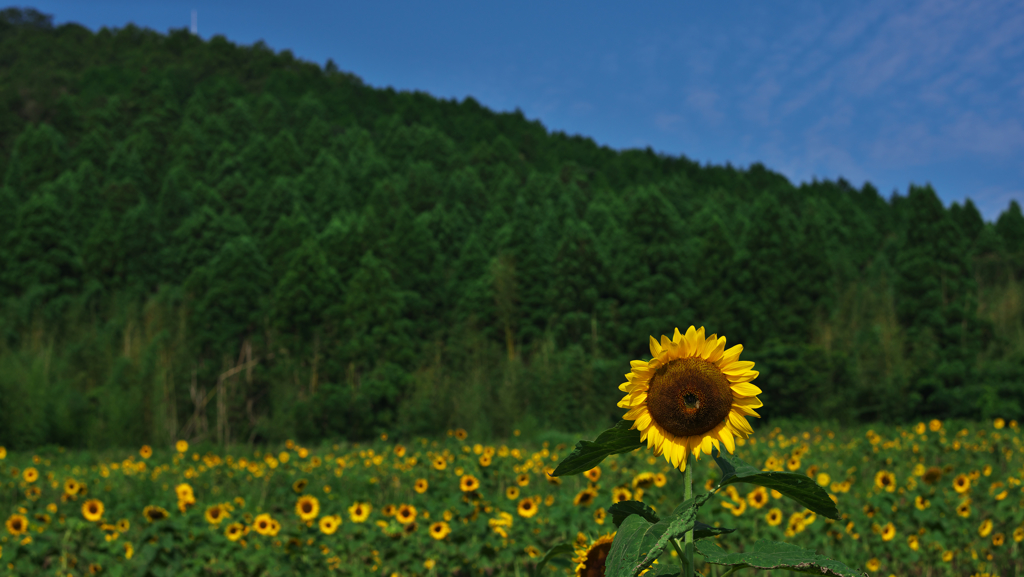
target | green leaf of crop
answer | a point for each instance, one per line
(703, 531)
(775, 555)
(800, 488)
(589, 454)
(560, 549)
(623, 509)
(638, 542)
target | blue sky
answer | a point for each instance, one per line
(880, 91)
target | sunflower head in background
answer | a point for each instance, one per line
(692, 396)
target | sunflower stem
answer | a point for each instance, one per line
(687, 495)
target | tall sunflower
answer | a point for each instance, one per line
(692, 396)
(590, 559)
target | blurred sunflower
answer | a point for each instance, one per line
(934, 425)
(123, 525)
(758, 497)
(421, 486)
(299, 485)
(275, 526)
(932, 475)
(585, 497)
(523, 480)
(590, 559)
(873, 564)
(399, 451)
(692, 396)
(660, 480)
(643, 480)
(71, 487)
(263, 524)
(527, 508)
(774, 517)
(469, 483)
(234, 531)
(485, 460)
(461, 434)
(307, 507)
(92, 510)
(921, 503)
(388, 510)
(512, 493)
(129, 550)
(30, 475)
(599, 515)
(962, 483)
(440, 530)
(1018, 534)
(17, 524)
(405, 514)
(440, 463)
(620, 494)
(885, 481)
(593, 474)
(985, 528)
(888, 531)
(329, 524)
(998, 539)
(359, 512)
(146, 452)
(185, 493)
(964, 509)
(215, 514)
(153, 513)
(181, 446)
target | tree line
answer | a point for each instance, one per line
(219, 242)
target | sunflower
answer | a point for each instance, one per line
(146, 452)
(215, 514)
(964, 509)
(129, 550)
(823, 479)
(985, 528)
(888, 531)
(962, 483)
(421, 486)
(921, 503)
(71, 487)
(793, 463)
(461, 434)
(1018, 534)
(440, 463)
(998, 539)
(593, 474)
(263, 524)
(758, 497)
(274, 527)
(299, 485)
(643, 480)
(469, 483)
(691, 396)
(17, 524)
(886, 481)
(523, 480)
(932, 475)
(527, 508)
(92, 510)
(405, 514)
(153, 513)
(399, 451)
(590, 559)
(185, 493)
(620, 494)
(329, 524)
(30, 475)
(913, 542)
(181, 446)
(3, 452)
(585, 497)
(660, 480)
(234, 531)
(359, 512)
(440, 530)
(774, 517)
(947, 556)
(599, 515)
(123, 525)
(485, 460)
(873, 564)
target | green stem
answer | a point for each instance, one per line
(687, 495)
(734, 569)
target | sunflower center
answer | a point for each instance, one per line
(594, 565)
(689, 397)
(306, 507)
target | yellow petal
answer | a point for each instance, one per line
(655, 347)
(740, 424)
(725, 434)
(730, 356)
(708, 346)
(625, 387)
(752, 402)
(677, 337)
(643, 422)
(738, 367)
(666, 343)
(706, 444)
(635, 412)
(716, 353)
(637, 397)
(745, 390)
(638, 364)
(744, 378)
(624, 403)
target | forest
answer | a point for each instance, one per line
(224, 243)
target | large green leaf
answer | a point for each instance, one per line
(589, 454)
(800, 488)
(638, 542)
(623, 509)
(703, 531)
(775, 555)
(560, 549)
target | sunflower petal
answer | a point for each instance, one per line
(745, 390)
(740, 424)
(716, 353)
(708, 346)
(625, 387)
(744, 378)
(706, 444)
(738, 367)
(666, 344)
(643, 422)
(655, 347)
(725, 434)
(677, 337)
(730, 356)
(752, 402)
(635, 412)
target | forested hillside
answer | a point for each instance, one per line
(208, 241)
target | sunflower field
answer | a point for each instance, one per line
(937, 498)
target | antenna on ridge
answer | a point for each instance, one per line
(195, 21)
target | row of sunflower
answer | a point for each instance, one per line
(941, 495)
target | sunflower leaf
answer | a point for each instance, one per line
(589, 454)
(638, 542)
(623, 509)
(776, 555)
(703, 531)
(560, 549)
(800, 488)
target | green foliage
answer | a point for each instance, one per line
(588, 454)
(797, 487)
(774, 555)
(388, 254)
